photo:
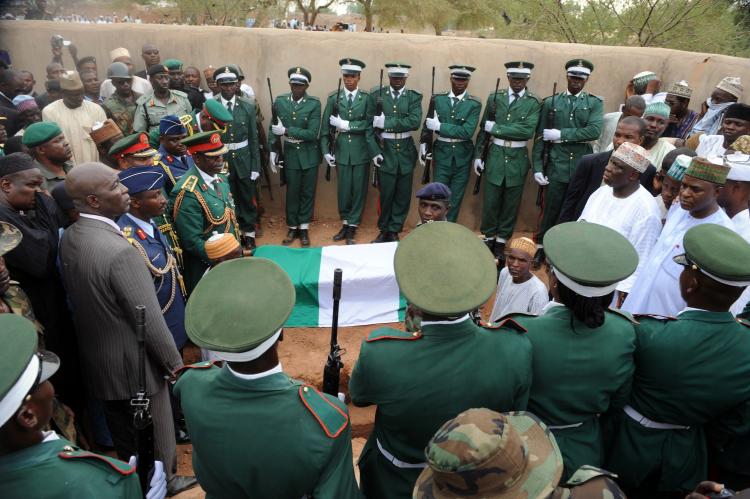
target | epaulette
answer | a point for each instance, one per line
(189, 183)
(509, 323)
(121, 467)
(442, 93)
(246, 100)
(329, 416)
(533, 96)
(377, 88)
(364, 92)
(744, 322)
(586, 473)
(656, 316)
(180, 93)
(312, 97)
(494, 94)
(332, 93)
(624, 314)
(474, 98)
(199, 365)
(414, 91)
(598, 97)
(392, 334)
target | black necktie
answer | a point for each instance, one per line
(350, 98)
(229, 106)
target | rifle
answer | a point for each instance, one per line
(490, 116)
(277, 147)
(379, 132)
(545, 149)
(333, 364)
(427, 135)
(140, 403)
(332, 131)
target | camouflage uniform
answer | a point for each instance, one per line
(122, 111)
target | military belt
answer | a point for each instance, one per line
(514, 144)
(395, 461)
(293, 141)
(396, 136)
(647, 423)
(237, 145)
(447, 139)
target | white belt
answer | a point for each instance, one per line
(397, 462)
(565, 426)
(509, 143)
(237, 145)
(292, 141)
(645, 422)
(396, 136)
(446, 139)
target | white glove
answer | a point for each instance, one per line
(272, 162)
(478, 167)
(278, 128)
(488, 126)
(540, 179)
(433, 123)
(422, 154)
(254, 175)
(158, 485)
(552, 134)
(330, 159)
(378, 121)
(378, 160)
(341, 125)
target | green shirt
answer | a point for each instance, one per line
(149, 110)
(50, 179)
(302, 121)
(356, 146)
(122, 111)
(403, 116)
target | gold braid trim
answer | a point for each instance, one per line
(170, 268)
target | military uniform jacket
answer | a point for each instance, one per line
(302, 122)
(242, 138)
(690, 370)
(458, 122)
(149, 110)
(121, 111)
(357, 146)
(57, 469)
(579, 121)
(174, 167)
(579, 373)
(515, 122)
(267, 437)
(402, 116)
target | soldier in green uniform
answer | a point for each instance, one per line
(304, 448)
(243, 158)
(201, 203)
(456, 117)
(13, 299)
(41, 464)
(507, 162)
(583, 352)
(152, 106)
(354, 148)
(420, 379)
(213, 117)
(692, 371)
(297, 129)
(402, 115)
(578, 121)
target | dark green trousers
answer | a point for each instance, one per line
(395, 198)
(245, 204)
(300, 192)
(352, 191)
(456, 177)
(500, 210)
(554, 194)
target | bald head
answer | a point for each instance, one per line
(95, 189)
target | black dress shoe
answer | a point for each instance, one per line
(499, 252)
(290, 237)
(382, 237)
(342, 233)
(179, 483)
(351, 231)
(304, 238)
(539, 258)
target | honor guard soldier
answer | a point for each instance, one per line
(152, 106)
(577, 121)
(588, 261)
(243, 157)
(691, 385)
(444, 271)
(237, 312)
(173, 156)
(297, 128)
(402, 115)
(507, 162)
(456, 117)
(201, 203)
(41, 464)
(354, 147)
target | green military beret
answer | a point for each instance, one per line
(173, 64)
(10, 237)
(590, 259)
(39, 133)
(718, 252)
(238, 305)
(444, 269)
(299, 75)
(216, 112)
(136, 144)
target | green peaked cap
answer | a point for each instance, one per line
(18, 337)
(719, 252)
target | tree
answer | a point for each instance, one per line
(437, 14)
(366, 8)
(310, 9)
(227, 12)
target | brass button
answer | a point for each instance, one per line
(304, 389)
(415, 334)
(68, 448)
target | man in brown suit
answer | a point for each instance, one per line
(107, 279)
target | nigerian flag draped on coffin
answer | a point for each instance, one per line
(369, 293)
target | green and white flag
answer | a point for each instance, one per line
(369, 293)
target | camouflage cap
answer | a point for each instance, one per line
(516, 450)
(10, 237)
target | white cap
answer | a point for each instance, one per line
(740, 167)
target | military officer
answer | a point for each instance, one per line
(152, 106)
(354, 146)
(445, 271)
(41, 464)
(297, 128)
(507, 162)
(13, 299)
(241, 139)
(201, 203)
(133, 150)
(213, 117)
(455, 119)
(173, 156)
(692, 371)
(238, 312)
(402, 114)
(578, 121)
(588, 261)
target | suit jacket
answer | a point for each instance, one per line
(106, 279)
(587, 178)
